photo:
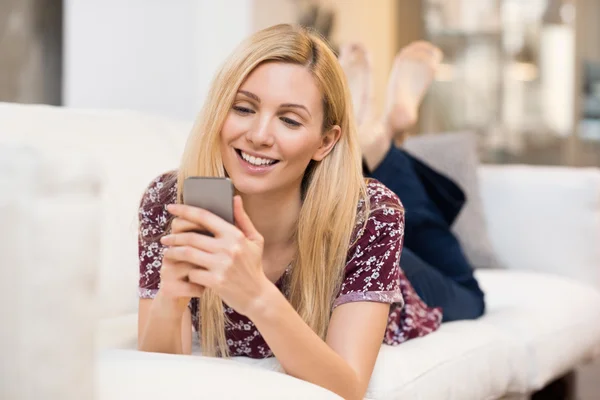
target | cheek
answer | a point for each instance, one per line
(300, 149)
(234, 126)
(228, 128)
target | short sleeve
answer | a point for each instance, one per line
(372, 271)
(153, 224)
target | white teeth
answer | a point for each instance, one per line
(256, 160)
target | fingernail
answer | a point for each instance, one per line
(166, 239)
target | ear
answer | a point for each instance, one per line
(328, 141)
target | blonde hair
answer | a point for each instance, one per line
(332, 188)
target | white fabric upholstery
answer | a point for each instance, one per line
(545, 218)
(130, 150)
(126, 374)
(452, 363)
(537, 327)
(463, 360)
(49, 233)
(555, 320)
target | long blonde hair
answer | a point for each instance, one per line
(332, 188)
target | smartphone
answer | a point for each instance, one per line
(212, 194)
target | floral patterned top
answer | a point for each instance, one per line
(372, 270)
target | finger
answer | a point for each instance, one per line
(193, 239)
(243, 221)
(176, 288)
(204, 278)
(202, 217)
(175, 270)
(191, 255)
(179, 225)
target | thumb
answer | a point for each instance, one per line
(243, 221)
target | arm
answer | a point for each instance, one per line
(164, 320)
(163, 327)
(345, 362)
(342, 364)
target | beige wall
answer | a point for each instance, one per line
(374, 23)
(272, 12)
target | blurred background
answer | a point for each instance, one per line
(523, 74)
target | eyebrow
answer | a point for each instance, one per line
(292, 105)
(284, 105)
(250, 94)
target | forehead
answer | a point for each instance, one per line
(276, 82)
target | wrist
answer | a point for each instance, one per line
(263, 304)
(169, 308)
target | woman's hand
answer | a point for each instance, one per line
(230, 263)
(176, 290)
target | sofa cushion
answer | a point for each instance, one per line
(455, 155)
(537, 326)
(556, 320)
(128, 374)
(430, 367)
(49, 231)
(130, 149)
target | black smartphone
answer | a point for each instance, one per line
(212, 194)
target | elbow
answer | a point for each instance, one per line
(358, 393)
(353, 388)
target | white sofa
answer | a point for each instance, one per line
(543, 310)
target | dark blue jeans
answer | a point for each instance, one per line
(432, 258)
(458, 298)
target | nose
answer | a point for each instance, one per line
(260, 133)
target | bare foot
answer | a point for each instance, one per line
(356, 63)
(412, 73)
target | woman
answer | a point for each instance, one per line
(309, 273)
(432, 258)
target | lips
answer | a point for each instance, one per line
(256, 160)
(254, 165)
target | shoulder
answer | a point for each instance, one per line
(152, 213)
(380, 196)
(384, 207)
(162, 190)
(382, 221)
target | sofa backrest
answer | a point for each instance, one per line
(130, 149)
(543, 218)
(49, 230)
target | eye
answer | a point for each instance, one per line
(290, 122)
(243, 110)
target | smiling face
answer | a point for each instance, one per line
(274, 129)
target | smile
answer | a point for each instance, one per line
(256, 161)
(253, 164)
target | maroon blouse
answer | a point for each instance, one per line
(372, 270)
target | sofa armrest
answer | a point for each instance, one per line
(128, 374)
(117, 332)
(544, 218)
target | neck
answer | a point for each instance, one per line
(275, 216)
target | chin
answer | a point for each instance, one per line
(250, 185)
